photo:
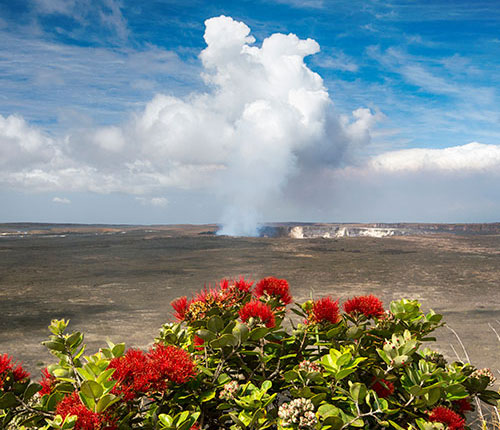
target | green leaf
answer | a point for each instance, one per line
(66, 387)
(85, 374)
(229, 327)
(181, 417)
(258, 333)
(75, 339)
(31, 390)
(332, 422)
(266, 385)
(383, 355)
(207, 395)
(241, 332)
(91, 389)
(290, 376)
(165, 419)
(88, 401)
(355, 332)
(105, 401)
(8, 400)
(224, 340)
(79, 353)
(104, 376)
(55, 345)
(318, 398)
(432, 396)
(118, 350)
(69, 422)
(333, 332)
(344, 359)
(236, 420)
(343, 373)
(215, 324)
(53, 400)
(327, 410)
(358, 392)
(396, 426)
(206, 335)
(358, 423)
(205, 370)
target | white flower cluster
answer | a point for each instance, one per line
(484, 372)
(297, 413)
(309, 366)
(229, 390)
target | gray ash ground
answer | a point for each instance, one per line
(119, 286)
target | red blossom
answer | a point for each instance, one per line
(48, 382)
(180, 305)
(370, 306)
(208, 295)
(87, 419)
(462, 406)
(139, 373)
(256, 309)
(243, 285)
(20, 374)
(325, 310)
(132, 373)
(446, 416)
(274, 287)
(198, 342)
(383, 388)
(172, 363)
(7, 370)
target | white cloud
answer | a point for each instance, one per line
(472, 157)
(23, 145)
(61, 200)
(153, 201)
(337, 61)
(266, 118)
(70, 84)
(312, 4)
(108, 11)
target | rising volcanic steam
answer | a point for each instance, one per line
(278, 106)
(277, 116)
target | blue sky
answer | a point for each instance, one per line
(80, 78)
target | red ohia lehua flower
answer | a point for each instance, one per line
(239, 285)
(48, 382)
(180, 305)
(370, 306)
(324, 310)
(198, 342)
(256, 309)
(462, 405)
(444, 415)
(9, 373)
(382, 387)
(137, 372)
(274, 287)
(87, 419)
(172, 363)
(132, 373)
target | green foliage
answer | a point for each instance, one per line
(359, 371)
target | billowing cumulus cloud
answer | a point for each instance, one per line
(265, 118)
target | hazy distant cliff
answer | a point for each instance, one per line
(327, 231)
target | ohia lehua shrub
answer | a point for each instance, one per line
(231, 362)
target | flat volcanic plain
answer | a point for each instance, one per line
(117, 282)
